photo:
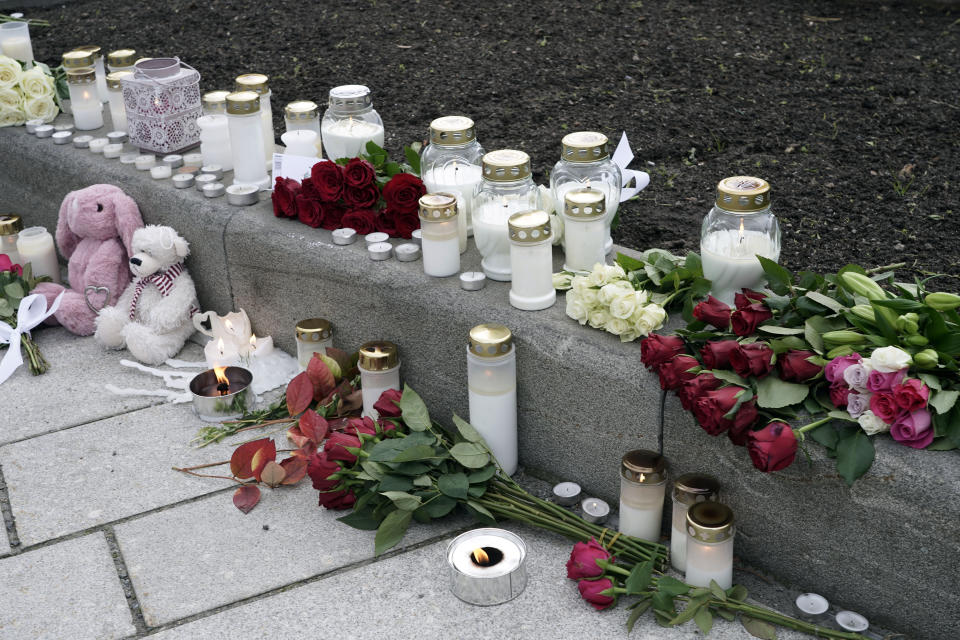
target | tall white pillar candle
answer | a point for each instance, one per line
(689, 489)
(302, 142)
(304, 114)
(246, 139)
(460, 179)
(85, 104)
(531, 261)
(710, 545)
(118, 111)
(215, 141)
(35, 245)
(439, 221)
(379, 365)
(584, 230)
(98, 67)
(492, 385)
(643, 479)
(259, 83)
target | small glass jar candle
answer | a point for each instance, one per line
(531, 261)
(738, 228)
(304, 115)
(643, 480)
(10, 227)
(584, 229)
(84, 102)
(300, 142)
(379, 365)
(350, 122)
(313, 336)
(98, 66)
(258, 83)
(15, 41)
(492, 386)
(451, 164)
(710, 545)
(121, 60)
(585, 162)
(246, 139)
(215, 103)
(507, 187)
(118, 111)
(35, 246)
(688, 489)
(439, 222)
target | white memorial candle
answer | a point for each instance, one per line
(584, 230)
(118, 111)
(492, 385)
(215, 141)
(710, 545)
(460, 179)
(531, 261)
(313, 336)
(246, 139)
(35, 245)
(304, 115)
(730, 263)
(85, 104)
(97, 54)
(688, 489)
(15, 41)
(300, 142)
(259, 83)
(643, 479)
(348, 137)
(10, 226)
(379, 365)
(439, 241)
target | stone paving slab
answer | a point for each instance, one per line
(4, 541)
(207, 553)
(408, 596)
(71, 391)
(67, 590)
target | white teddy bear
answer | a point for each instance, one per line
(153, 316)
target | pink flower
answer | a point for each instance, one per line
(592, 592)
(7, 265)
(583, 560)
(913, 429)
(911, 395)
(880, 381)
(884, 406)
(836, 367)
(857, 403)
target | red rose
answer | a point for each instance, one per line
(363, 221)
(773, 448)
(406, 222)
(716, 353)
(385, 424)
(839, 393)
(690, 390)
(327, 178)
(711, 407)
(6, 264)
(285, 192)
(309, 190)
(677, 371)
(656, 349)
(320, 468)
(592, 592)
(714, 312)
(403, 192)
(387, 405)
(911, 395)
(387, 223)
(338, 500)
(884, 406)
(359, 173)
(332, 215)
(748, 297)
(335, 447)
(795, 366)
(356, 426)
(745, 321)
(754, 359)
(360, 197)
(583, 560)
(309, 211)
(739, 431)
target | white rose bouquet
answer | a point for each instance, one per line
(26, 95)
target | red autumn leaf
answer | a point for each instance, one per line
(296, 468)
(273, 474)
(313, 426)
(299, 394)
(296, 437)
(351, 401)
(264, 455)
(341, 357)
(246, 497)
(306, 451)
(241, 462)
(321, 376)
(337, 424)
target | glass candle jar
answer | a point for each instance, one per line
(439, 222)
(738, 228)
(10, 227)
(688, 489)
(35, 246)
(121, 60)
(506, 188)
(710, 545)
(246, 139)
(313, 336)
(379, 365)
(84, 101)
(15, 41)
(531, 260)
(215, 103)
(584, 229)
(492, 384)
(98, 66)
(304, 115)
(349, 122)
(643, 480)
(259, 83)
(451, 164)
(118, 111)
(585, 162)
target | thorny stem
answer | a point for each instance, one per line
(202, 466)
(203, 475)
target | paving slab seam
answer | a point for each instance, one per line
(136, 610)
(6, 513)
(223, 243)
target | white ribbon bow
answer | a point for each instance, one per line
(33, 310)
(622, 157)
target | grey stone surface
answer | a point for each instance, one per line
(72, 392)
(4, 540)
(409, 597)
(207, 553)
(78, 478)
(68, 590)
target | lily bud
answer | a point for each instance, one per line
(844, 336)
(863, 285)
(926, 359)
(864, 311)
(907, 325)
(839, 352)
(916, 341)
(942, 301)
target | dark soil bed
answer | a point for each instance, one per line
(850, 110)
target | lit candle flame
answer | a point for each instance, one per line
(229, 326)
(480, 556)
(253, 342)
(223, 384)
(588, 183)
(741, 229)
(220, 346)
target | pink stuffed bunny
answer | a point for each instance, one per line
(95, 232)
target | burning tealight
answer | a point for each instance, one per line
(222, 393)
(344, 236)
(97, 145)
(44, 131)
(851, 621)
(566, 493)
(129, 158)
(146, 162)
(213, 170)
(595, 510)
(472, 280)
(82, 142)
(62, 137)
(174, 160)
(113, 150)
(376, 237)
(33, 124)
(161, 172)
(214, 190)
(407, 252)
(183, 181)
(193, 159)
(117, 137)
(811, 606)
(204, 179)
(241, 195)
(380, 250)
(487, 566)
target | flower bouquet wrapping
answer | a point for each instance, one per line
(16, 283)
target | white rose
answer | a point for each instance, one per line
(10, 99)
(890, 359)
(589, 295)
(598, 317)
(871, 424)
(649, 318)
(576, 309)
(626, 305)
(563, 280)
(618, 327)
(605, 274)
(36, 84)
(10, 72)
(856, 376)
(629, 336)
(546, 199)
(614, 290)
(40, 108)
(10, 112)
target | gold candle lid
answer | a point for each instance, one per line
(314, 330)
(10, 224)
(529, 227)
(243, 103)
(691, 488)
(584, 146)
(92, 49)
(584, 204)
(743, 193)
(438, 207)
(643, 466)
(379, 355)
(216, 101)
(302, 110)
(710, 522)
(253, 82)
(452, 131)
(121, 58)
(506, 165)
(115, 79)
(490, 340)
(83, 75)
(77, 59)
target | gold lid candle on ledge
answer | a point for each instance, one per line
(492, 386)
(439, 222)
(531, 260)
(643, 479)
(350, 122)
(245, 125)
(710, 545)
(584, 228)
(77, 60)
(215, 131)
(304, 115)
(84, 101)
(313, 336)
(97, 54)
(688, 489)
(215, 102)
(260, 84)
(379, 365)
(10, 227)
(118, 111)
(121, 60)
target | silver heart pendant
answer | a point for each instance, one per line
(94, 290)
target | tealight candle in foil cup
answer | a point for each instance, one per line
(114, 150)
(567, 494)
(242, 195)
(417, 236)
(82, 142)
(487, 566)
(66, 126)
(129, 158)
(213, 170)
(852, 621)
(380, 250)
(472, 280)
(145, 162)
(344, 236)
(811, 607)
(33, 124)
(407, 252)
(193, 158)
(62, 137)
(183, 181)
(214, 189)
(222, 393)
(43, 131)
(204, 179)
(97, 145)
(376, 237)
(595, 510)
(174, 160)
(117, 137)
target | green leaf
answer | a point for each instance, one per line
(628, 263)
(774, 393)
(641, 608)
(727, 615)
(392, 169)
(718, 591)
(690, 610)
(825, 300)
(374, 469)
(759, 628)
(663, 602)
(423, 481)
(403, 500)
(639, 578)
(813, 337)
(729, 376)
(782, 345)
(737, 592)
(483, 475)
(841, 415)
(14, 290)
(704, 620)
(395, 483)
(470, 455)
(477, 490)
(942, 444)
(672, 586)
(454, 485)
(480, 512)
(467, 430)
(416, 452)
(363, 520)
(778, 278)
(391, 530)
(943, 401)
(854, 455)
(781, 331)
(931, 381)
(413, 159)
(439, 506)
(412, 407)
